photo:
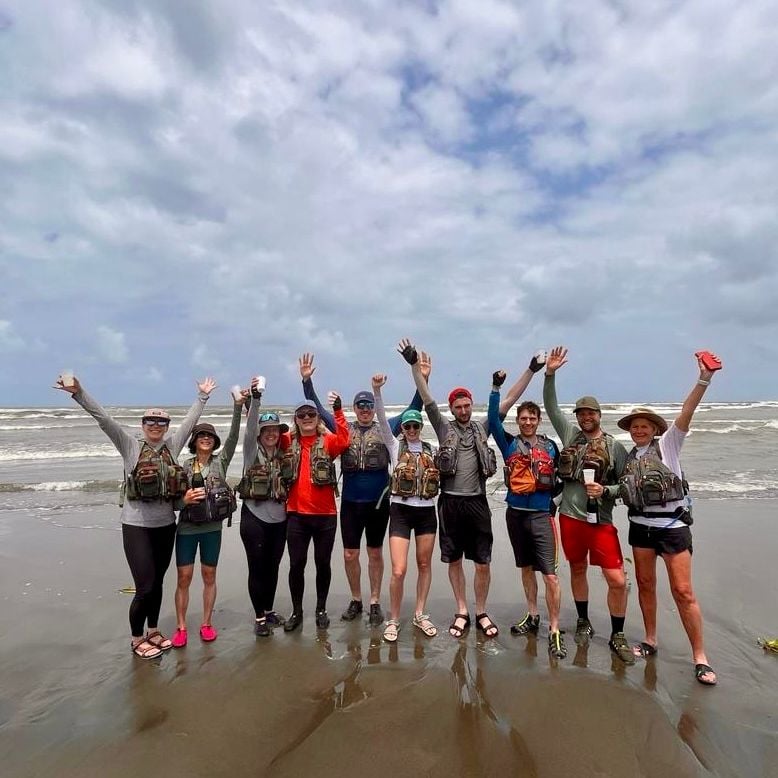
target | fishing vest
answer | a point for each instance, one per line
(647, 483)
(447, 454)
(531, 469)
(322, 464)
(219, 502)
(156, 476)
(367, 450)
(415, 474)
(583, 454)
(264, 480)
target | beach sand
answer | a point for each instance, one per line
(75, 702)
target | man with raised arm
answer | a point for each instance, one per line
(586, 512)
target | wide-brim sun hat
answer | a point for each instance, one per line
(200, 428)
(643, 413)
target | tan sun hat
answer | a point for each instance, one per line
(643, 413)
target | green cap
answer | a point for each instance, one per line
(586, 403)
(411, 415)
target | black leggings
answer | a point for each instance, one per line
(148, 551)
(303, 527)
(264, 543)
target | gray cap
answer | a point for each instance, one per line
(587, 402)
(306, 404)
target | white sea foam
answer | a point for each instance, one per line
(81, 453)
(732, 487)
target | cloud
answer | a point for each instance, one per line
(111, 345)
(9, 339)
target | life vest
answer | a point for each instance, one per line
(447, 455)
(263, 481)
(531, 469)
(219, 502)
(367, 450)
(648, 483)
(322, 464)
(156, 476)
(583, 454)
(415, 474)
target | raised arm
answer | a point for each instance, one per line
(416, 404)
(250, 435)
(340, 440)
(306, 373)
(518, 389)
(684, 419)
(181, 435)
(228, 449)
(493, 414)
(387, 433)
(563, 427)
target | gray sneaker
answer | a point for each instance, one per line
(376, 617)
(623, 650)
(583, 632)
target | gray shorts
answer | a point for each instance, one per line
(533, 537)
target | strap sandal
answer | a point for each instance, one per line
(422, 621)
(486, 625)
(145, 649)
(391, 630)
(458, 630)
(701, 670)
(156, 638)
(644, 649)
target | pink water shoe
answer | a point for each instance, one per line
(179, 638)
(208, 633)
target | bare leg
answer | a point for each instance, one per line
(398, 552)
(182, 593)
(645, 572)
(353, 572)
(553, 600)
(578, 581)
(617, 590)
(425, 545)
(481, 583)
(375, 572)
(456, 576)
(209, 591)
(530, 583)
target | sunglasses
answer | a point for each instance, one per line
(306, 415)
(156, 422)
(364, 405)
(265, 417)
(412, 425)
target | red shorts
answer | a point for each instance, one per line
(599, 541)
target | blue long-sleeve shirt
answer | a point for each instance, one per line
(537, 501)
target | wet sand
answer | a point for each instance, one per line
(75, 702)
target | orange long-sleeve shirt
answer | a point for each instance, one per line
(306, 497)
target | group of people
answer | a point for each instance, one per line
(394, 481)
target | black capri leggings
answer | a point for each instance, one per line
(148, 551)
(264, 543)
(302, 528)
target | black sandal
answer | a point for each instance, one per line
(489, 629)
(454, 630)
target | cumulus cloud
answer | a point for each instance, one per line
(9, 339)
(111, 345)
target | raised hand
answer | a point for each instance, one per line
(407, 351)
(535, 364)
(207, 385)
(256, 392)
(705, 373)
(378, 380)
(306, 366)
(75, 387)
(333, 398)
(425, 365)
(498, 378)
(556, 358)
(244, 395)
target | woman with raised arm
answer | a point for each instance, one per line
(152, 483)
(263, 521)
(415, 483)
(655, 492)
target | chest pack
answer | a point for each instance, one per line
(264, 479)
(322, 465)
(647, 485)
(582, 454)
(156, 476)
(219, 503)
(367, 450)
(531, 469)
(447, 455)
(415, 474)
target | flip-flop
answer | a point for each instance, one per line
(644, 649)
(701, 670)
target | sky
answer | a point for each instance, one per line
(200, 188)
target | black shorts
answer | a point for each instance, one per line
(465, 528)
(533, 537)
(406, 518)
(663, 540)
(359, 517)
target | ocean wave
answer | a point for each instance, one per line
(82, 453)
(63, 486)
(12, 427)
(762, 488)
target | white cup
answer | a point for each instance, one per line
(236, 393)
(588, 475)
(260, 385)
(68, 378)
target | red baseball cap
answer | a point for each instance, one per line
(460, 391)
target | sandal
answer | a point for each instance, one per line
(150, 652)
(489, 628)
(644, 649)
(391, 630)
(157, 639)
(422, 621)
(701, 670)
(454, 629)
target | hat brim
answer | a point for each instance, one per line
(282, 427)
(626, 421)
(216, 444)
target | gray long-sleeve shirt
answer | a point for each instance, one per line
(140, 513)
